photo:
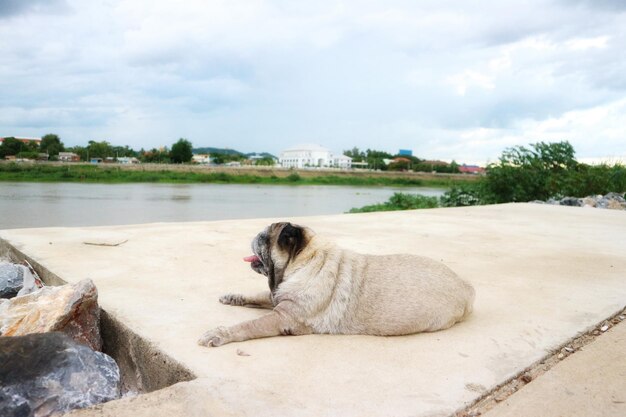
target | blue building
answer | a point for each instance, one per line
(405, 152)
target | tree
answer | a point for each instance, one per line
(154, 155)
(81, 151)
(375, 159)
(536, 173)
(51, 144)
(266, 161)
(11, 146)
(100, 149)
(124, 151)
(355, 154)
(181, 151)
(401, 165)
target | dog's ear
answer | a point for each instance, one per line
(291, 239)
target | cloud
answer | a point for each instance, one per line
(449, 79)
(9, 8)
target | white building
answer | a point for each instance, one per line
(201, 159)
(310, 155)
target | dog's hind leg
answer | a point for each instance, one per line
(261, 300)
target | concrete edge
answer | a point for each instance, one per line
(492, 397)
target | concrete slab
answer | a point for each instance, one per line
(590, 383)
(542, 275)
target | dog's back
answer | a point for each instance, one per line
(410, 294)
(378, 295)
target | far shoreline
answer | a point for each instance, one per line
(47, 172)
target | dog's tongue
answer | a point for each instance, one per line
(251, 258)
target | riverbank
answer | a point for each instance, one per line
(180, 174)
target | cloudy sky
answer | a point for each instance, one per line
(449, 79)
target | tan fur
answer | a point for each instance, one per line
(329, 290)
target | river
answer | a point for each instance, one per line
(69, 204)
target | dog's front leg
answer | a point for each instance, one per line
(273, 324)
(261, 300)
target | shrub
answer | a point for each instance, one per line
(400, 201)
(295, 177)
(464, 195)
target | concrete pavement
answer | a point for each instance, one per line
(542, 275)
(590, 383)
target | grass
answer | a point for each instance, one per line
(98, 174)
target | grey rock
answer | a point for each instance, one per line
(602, 202)
(615, 196)
(49, 374)
(571, 201)
(11, 279)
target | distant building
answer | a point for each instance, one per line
(68, 157)
(471, 169)
(203, 159)
(342, 161)
(310, 155)
(95, 160)
(127, 160)
(405, 152)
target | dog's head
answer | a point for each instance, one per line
(275, 248)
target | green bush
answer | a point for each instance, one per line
(400, 201)
(464, 195)
(294, 177)
(541, 172)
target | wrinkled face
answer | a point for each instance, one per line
(274, 248)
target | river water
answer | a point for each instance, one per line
(70, 204)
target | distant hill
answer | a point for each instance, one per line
(263, 154)
(222, 151)
(226, 151)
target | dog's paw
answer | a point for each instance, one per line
(233, 299)
(215, 337)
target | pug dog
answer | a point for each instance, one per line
(318, 287)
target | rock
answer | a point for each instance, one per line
(602, 203)
(571, 201)
(611, 200)
(616, 205)
(11, 279)
(604, 328)
(50, 374)
(560, 356)
(527, 377)
(589, 202)
(615, 197)
(71, 309)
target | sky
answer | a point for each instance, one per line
(448, 79)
